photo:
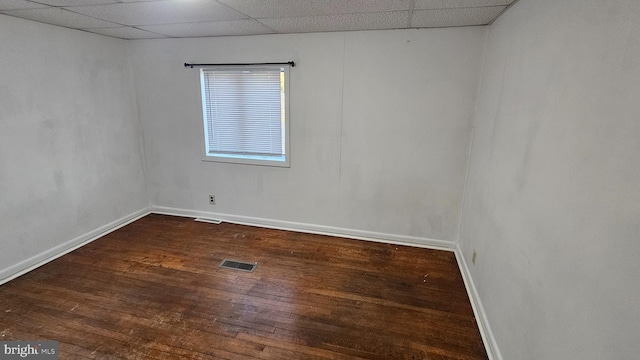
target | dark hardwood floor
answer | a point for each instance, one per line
(153, 290)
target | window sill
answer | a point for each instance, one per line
(244, 160)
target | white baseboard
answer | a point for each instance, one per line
(36, 261)
(46, 256)
(311, 228)
(488, 339)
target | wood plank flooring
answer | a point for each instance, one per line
(153, 290)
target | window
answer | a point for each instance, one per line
(245, 111)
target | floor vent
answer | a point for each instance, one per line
(238, 265)
(210, 221)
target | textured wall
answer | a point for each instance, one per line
(70, 155)
(380, 124)
(553, 197)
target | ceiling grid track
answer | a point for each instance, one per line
(412, 5)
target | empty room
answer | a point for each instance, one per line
(320, 179)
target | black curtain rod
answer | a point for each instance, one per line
(293, 64)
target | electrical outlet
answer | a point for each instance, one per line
(473, 257)
(212, 199)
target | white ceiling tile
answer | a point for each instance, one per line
(19, 4)
(288, 8)
(448, 4)
(196, 18)
(214, 28)
(160, 12)
(368, 21)
(126, 32)
(61, 17)
(76, 2)
(455, 17)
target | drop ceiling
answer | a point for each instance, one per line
(149, 19)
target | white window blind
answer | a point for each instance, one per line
(244, 113)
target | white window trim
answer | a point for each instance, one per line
(241, 159)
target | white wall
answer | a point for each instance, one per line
(380, 123)
(553, 197)
(70, 155)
